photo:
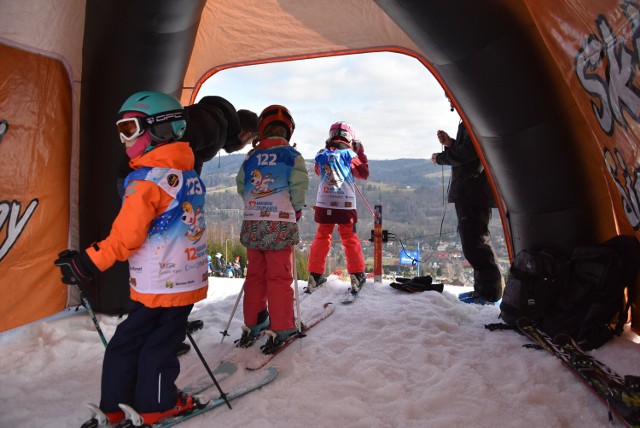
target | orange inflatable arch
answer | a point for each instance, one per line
(548, 88)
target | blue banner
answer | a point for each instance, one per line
(407, 257)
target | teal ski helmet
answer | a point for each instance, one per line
(164, 116)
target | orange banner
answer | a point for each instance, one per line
(596, 45)
(35, 153)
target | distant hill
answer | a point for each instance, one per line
(221, 171)
(411, 192)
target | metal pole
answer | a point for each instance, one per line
(224, 333)
(223, 395)
(92, 315)
(377, 244)
(295, 290)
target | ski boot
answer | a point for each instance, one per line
(316, 280)
(99, 418)
(184, 405)
(276, 339)
(251, 333)
(357, 281)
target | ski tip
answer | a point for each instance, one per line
(272, 372)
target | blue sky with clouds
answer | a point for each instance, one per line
(391, 100)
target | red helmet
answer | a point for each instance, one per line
(276, 114)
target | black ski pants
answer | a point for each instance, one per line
(473, 228)
(140, 364)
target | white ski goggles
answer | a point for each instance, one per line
(130, 128)
(160, 126)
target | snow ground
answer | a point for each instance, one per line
(389, 360)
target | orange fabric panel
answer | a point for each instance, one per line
(35, 153)
(592, 43)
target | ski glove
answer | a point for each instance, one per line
(76, 267)
(357, 147)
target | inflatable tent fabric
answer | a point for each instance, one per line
(548, 89)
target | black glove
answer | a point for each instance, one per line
(77, 268)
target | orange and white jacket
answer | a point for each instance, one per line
(160, 230)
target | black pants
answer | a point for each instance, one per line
(473, 227)
(140, 364)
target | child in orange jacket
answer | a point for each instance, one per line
(160, 230)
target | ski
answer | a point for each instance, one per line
(600, 379)
(351, 297)
(223, 371)
(354, 291)
(327, 309)
(97, 418)
(133, 419)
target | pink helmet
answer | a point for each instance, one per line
(343, 131)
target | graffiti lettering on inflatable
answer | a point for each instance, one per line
(629, 186)
(606, 67)
(14, 222)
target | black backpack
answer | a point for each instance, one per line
(583, 296)
(532, 285)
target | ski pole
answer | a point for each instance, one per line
(223, 395)
(373, 213)
(224, 333)
(295, 290)
(353, 185)
(87, 305)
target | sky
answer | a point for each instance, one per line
(390, 359)
(391, 100)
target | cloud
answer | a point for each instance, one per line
(391, 100)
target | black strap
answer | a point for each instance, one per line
(498, 326)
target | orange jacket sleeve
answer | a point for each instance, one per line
(143, 202)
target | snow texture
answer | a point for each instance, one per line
(391, 359)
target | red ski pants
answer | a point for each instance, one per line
(268, 284)
(322, 244)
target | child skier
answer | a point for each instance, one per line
(160, 223)
(273, 181)
(337, 164)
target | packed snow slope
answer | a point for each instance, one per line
(391, 359)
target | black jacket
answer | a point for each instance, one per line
(212, 124)
(469, 183)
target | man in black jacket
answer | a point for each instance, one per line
(471, 194)
(213, 124)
